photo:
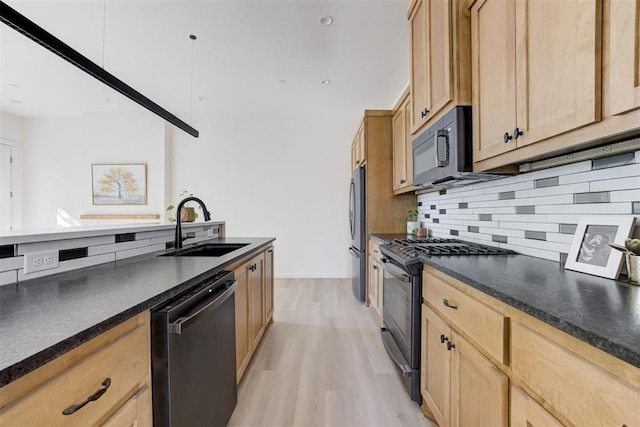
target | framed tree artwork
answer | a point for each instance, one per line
(590, 251)
(119, 184)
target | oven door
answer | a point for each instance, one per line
(401, 329)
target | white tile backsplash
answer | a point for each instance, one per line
(547, 207)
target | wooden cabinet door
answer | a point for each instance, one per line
(408, 142)
(493, 75)
(135, 411)
(622, 56)
(439, 47)
(481, 390)
(256, 299)
(526, 412)
(431, 59)
(418, 22)
(435, 365)
(380, 285)
(399, 150)
(372, 285)
(557, 67)
(242, 319)
(268, 286)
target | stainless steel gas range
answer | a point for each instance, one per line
(402, 297)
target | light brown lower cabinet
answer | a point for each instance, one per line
(117, 361)
(254, 305)
(526, 412)
(460, 386)
(555, 379)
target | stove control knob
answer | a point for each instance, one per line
(413, 254)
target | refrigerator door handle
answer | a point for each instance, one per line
(354, 253)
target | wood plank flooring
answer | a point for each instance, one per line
(322, 363)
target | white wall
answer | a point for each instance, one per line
(281, 175)
(57, 158)
(11, 133)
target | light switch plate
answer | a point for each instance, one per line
(38, 261)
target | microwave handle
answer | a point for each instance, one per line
(442, 148)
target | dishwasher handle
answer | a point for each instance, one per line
(183, 323)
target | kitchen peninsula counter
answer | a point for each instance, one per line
(43, 318)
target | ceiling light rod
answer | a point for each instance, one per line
(47, 40)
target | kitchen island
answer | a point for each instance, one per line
(43, 318)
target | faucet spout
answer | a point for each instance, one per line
(207, 217)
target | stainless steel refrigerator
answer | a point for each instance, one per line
(357, 221)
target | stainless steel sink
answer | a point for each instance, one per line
(208, 249)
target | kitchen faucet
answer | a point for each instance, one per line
(207, 217)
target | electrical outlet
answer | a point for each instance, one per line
(38, 261)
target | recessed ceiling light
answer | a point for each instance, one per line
(13, 85)
(326, 20)
(15, 101)
(202, 98)
(326, 82)
(284, 82)
(107, 100)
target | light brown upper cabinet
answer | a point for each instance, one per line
(402, 149)
(536, 71)
(358, 150)
(622, 56)
(440, 59)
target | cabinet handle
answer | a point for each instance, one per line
(375, 267)
(424, 113)
(450, 345)
(95, 396)
(507, 137)
(443, 339)
(448, 304)
(357, 162)
(402, 181)
(270, 251)
(517, 132)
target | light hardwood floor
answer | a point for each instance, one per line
(322, 363)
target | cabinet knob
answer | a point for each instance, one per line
(517, 132)
(507, 137)
(443, 338)
(450, 345)
(357, 162)
(402, 181)
(375, 267)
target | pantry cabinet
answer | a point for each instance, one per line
(115, 367)
(253, 305)
(440, 59)
(536, 71)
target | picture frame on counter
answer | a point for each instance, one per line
(119, 183)
(590, 251)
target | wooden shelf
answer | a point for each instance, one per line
(120, 216)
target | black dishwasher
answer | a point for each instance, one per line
(193, 355)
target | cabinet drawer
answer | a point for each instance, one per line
(483, 325)
(125, 362)
(582, 392)
(374, 250)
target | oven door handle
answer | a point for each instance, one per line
(397, 272)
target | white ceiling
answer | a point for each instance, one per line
(244, 51)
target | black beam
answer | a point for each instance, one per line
(30, 29)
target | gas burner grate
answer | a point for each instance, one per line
(429, 240)
(461, 249)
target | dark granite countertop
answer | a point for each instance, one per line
(602, 312)
(43, 318)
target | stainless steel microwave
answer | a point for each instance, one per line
(442, 154)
